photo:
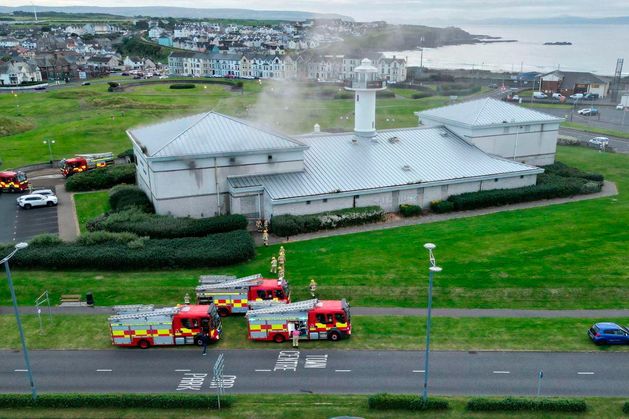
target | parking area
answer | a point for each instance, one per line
(21, 225)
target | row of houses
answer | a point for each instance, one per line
(280, 67)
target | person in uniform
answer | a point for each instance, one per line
(265, 237)
(273, 265)
(280, 272)
(312, 287)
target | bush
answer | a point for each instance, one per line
(385, 94)
(408, 210)
(343, 95)
(561, 169)
(99, 237)
(165, 226)
(46, 240)
(152, 401)
(441, 207)
(386, 401)
(533, 405)
(123, 197)
(625, 408)
(182, 86)
(290, 225)
(101, 178)
(214, 250)
(127, 154)
(421, 95)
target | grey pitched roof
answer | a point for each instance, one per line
(486, 112)
(570, 78)
(207, 134)
(334, 164)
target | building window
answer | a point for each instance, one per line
(307, 202)
(506, 130)
(325, 200)
(356, 196)
(357, 98)
(270, 157)
(496, 180)
(521, 176)
(232, 159)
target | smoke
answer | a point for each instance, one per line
(280, 106)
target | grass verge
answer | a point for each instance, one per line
(90, 205)
(587, 128)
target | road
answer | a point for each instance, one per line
(320, 371)
(620, 145)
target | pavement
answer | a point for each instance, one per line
(283, 370)
(383, 311)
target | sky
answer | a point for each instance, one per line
(395, 11)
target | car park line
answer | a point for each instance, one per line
(501, 372)
(263, 370)
(184, 370)
(585, 373)
(104, 370)
(342, 370)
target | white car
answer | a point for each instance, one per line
(588, 111)
(576, 96)
(557, 96)
(620, 107)
(599, 141)
(539, 95)
(33, 200)
(45, 192)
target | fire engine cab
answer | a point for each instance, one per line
(315, 319)
(13, 181)
(145, 326)
(235, 295)
(84, 162)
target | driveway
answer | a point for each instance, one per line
(22, 225)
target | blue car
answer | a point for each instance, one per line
(609, 334)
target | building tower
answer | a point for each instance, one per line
(365, 84)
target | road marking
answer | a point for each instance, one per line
(20, 370)
(316, 361)
(191, 381)
(262, 370)
(182, 370)
(585, 373)
(287, 361)
(342, 370)
(502, 372)
(103, 370)
(419, 371)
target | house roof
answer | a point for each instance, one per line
(486, 112)
(334, 164)
(570, 78)
(207, 134)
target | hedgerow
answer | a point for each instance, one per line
(386, 401)
(182, 86)
(522, 404)
(561, 169)
(625, 407)
(408, 210)
(290, 225)
(441, 207)
(101, 178)
(123, 197)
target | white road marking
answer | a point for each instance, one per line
(20, 370)
(103, 370)
(585, 373)
(182, 370)
(342, 370)
(419, 371)
(501, 372)
(262, 370)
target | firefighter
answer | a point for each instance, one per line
(312, 287)
(295, 336)
(265, 237)
(273, 265)
(282, 251)
(186, 299)
(280, 272)
(281, 259)
(204, 340)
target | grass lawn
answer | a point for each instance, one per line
(289, 406)
(90, 205)
(587, 128)
(369, 333)
(546, 105)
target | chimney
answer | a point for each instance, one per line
(317, 128)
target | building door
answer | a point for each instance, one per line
(395, 200)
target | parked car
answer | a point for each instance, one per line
(590, 96)
(33, 200)
(557, 96)
(609, 334)
(576, 96)
(85, 83)
(599, 141)
(588, 111)
(539, 95)
(620, 107)
(45, 192)
(492, 86)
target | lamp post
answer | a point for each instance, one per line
(5, 261)
(50, 143)
(431, 271)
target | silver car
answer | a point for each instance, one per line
(36, 200)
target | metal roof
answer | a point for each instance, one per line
(486, 112)
(338, 163)
(207, 134)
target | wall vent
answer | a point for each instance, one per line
(394, 140)
(406, 168)
(444, 133)
(354, 140)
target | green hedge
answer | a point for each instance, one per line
(441, 207)
(192, 252)
(151, 401)
(561, 169)
(290, 225)
(386, 401)
(625, 408)
(101, 178)
(421, 95)
(165, 226)
(522, 404)
(408, 210)
(124, 197)
(182, 86)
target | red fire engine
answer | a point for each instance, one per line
(84, 162)
(325, 319)
(236, 295)
(145, 326)
(13, 181)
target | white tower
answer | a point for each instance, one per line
(365, 84)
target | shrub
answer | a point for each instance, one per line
(421, 95)
(290, 225)
(385, 94)
(441, 207)
(386, 401)
(625, 408)
(127, 154)
(561, 169)
(408, 210)
(182, 86)
(165, 226)
(214, 250)
(99, 237)
(153, 401)
(46, 240)
(101, 178)
(123, 197)
(534, 405)
(343, 95)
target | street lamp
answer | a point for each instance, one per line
(432, 269)
(50, 143)
(5, 261)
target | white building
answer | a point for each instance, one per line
(14, 73)
(209, 164)
(500, 128)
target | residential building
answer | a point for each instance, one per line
(14, 73)
(571, 82)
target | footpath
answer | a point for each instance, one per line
(383, 311)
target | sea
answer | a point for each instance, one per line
(595, 49)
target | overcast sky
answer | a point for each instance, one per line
(407, 11)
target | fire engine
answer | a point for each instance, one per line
(145, 326)
(235, 295)
(13, 181)
(84, 162)
(315, 319)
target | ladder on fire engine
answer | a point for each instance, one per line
(214, 279)
(286, 308)
(142, 314)
(132, 308)
(257, 305)
(97, 156)
(240, 282)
